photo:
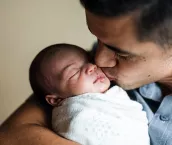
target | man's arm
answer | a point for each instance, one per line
(29, 126)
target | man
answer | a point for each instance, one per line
(134, 49)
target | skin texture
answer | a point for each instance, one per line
(123, 58)
(29, 123)
(30, 129)
(72, 74)
(33, 127)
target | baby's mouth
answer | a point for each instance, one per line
(100, 78)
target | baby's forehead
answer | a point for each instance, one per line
(72, 53)
(64, 57)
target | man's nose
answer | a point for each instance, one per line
(105, 57)
(90, 68)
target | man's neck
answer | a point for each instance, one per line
(166, 85)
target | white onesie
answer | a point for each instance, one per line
(102, 119)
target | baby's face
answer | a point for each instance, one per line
(75, 75)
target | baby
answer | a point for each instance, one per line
(85, 109)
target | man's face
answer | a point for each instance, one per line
(123, 58)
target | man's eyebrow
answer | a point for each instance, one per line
(118, 50)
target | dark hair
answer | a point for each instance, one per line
(38, 81)
(154, 22)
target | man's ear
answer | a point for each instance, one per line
(53, 100)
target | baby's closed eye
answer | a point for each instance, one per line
(74, 73)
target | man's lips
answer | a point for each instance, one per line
(111, 78)
(108, 75)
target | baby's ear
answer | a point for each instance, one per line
(53, 100)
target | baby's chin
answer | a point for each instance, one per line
(104, 90)
(105, 86)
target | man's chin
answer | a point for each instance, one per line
(126, 86)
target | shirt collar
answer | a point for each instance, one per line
(151, 91)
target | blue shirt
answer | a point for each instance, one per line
(160, 121)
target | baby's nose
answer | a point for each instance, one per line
(91, 68)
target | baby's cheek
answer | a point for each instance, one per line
(77, 88)
(84, 86)
(72, 87)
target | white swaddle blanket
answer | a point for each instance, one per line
(102, 119)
